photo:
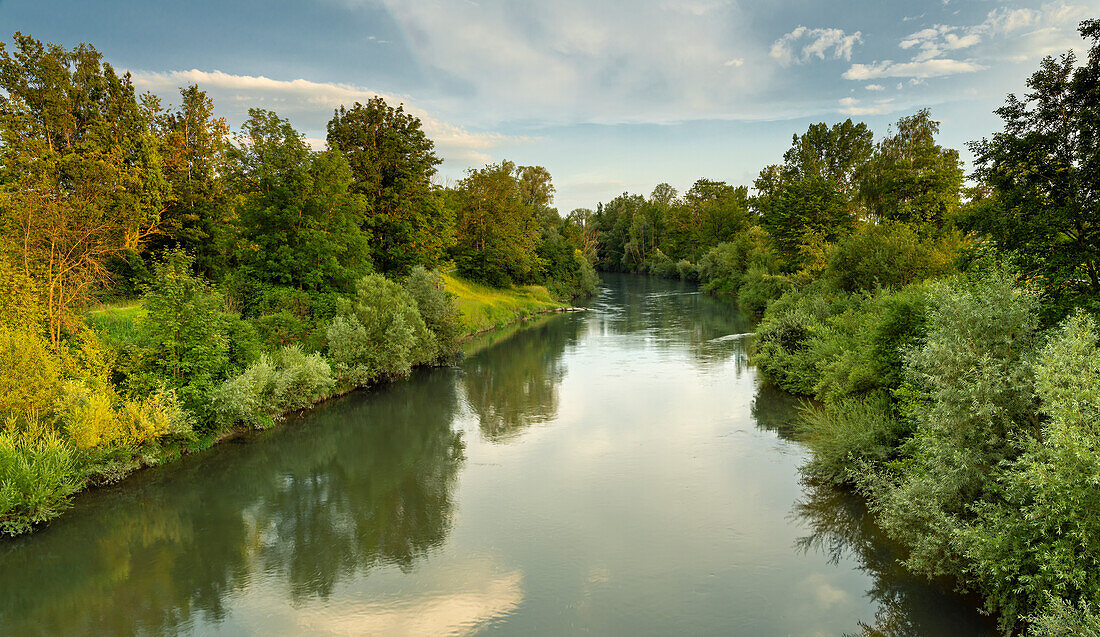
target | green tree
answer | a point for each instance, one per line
(1044, 170)
(80, 171)
(392, 163)
(910, 178)
(194, 145)
(799, 213)
(300, 226)
(498, 232)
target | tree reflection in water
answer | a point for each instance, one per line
(841, 527)
(361, 482)
(511, 388)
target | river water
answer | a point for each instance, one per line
(616, 472)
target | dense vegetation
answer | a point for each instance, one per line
(257, 275)
(947, 335)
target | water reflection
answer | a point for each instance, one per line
(906, 606)
(365, 481)
(656, 500)
(673, 316)
(511, 388)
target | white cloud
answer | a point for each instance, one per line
(924, 69)
(578, 61)
(875, 87)
(853, 106)
(817, 43)
(314, 102)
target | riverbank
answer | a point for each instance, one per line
(109, 436)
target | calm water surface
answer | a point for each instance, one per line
(620, 471)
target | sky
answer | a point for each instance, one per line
(610, 96)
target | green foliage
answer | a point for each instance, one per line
(1038, 538)
(851, 437)
(438, 310)
(300, 225)
(79, 167)
(722, 268)
(188, 340)
(1060, 619)
(272, 386)
(194, 148)
(39, 472)
(378, 334)
(30, 375)
(759, 287)
(498, 232)
(788, 329)
(1042, 171)
(910, 178)
(970, 392)
(890, 255)
(392, 164)
(801, 212)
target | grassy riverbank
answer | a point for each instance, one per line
(106, 390)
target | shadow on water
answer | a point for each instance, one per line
(363, 481)
(841, 528)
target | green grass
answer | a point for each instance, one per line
(485, 308)
(482, 308)
(117, 321)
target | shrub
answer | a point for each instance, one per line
(30, 375)
(39, 472)
(850, 438)
(189, 343)
(378, 333)
(438, 310)
(1038, 538)
(970, 392)
(1061, 619)
(759, 287)
(890, 255)
(271, 386)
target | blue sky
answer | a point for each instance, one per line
(609, 96)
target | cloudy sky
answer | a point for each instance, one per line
(610, 96)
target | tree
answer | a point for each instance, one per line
(194, 148)
(300, 226)
(1044, 169)
(498, 233)
(800, 213)
(80, 171)
(837, 153)
(392, 164)
(910, 178)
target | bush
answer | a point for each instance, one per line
(1038, 538)
(272, 386)
(890, 255)
(378, 334)
(970, 391)
(438, 310)
(93, 416)
(759, 287)
(850, 438)
(189, 343)
(30, 375)
(1061, 619)
(860, 351)
(39, 472)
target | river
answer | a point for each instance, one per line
(620, 471)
